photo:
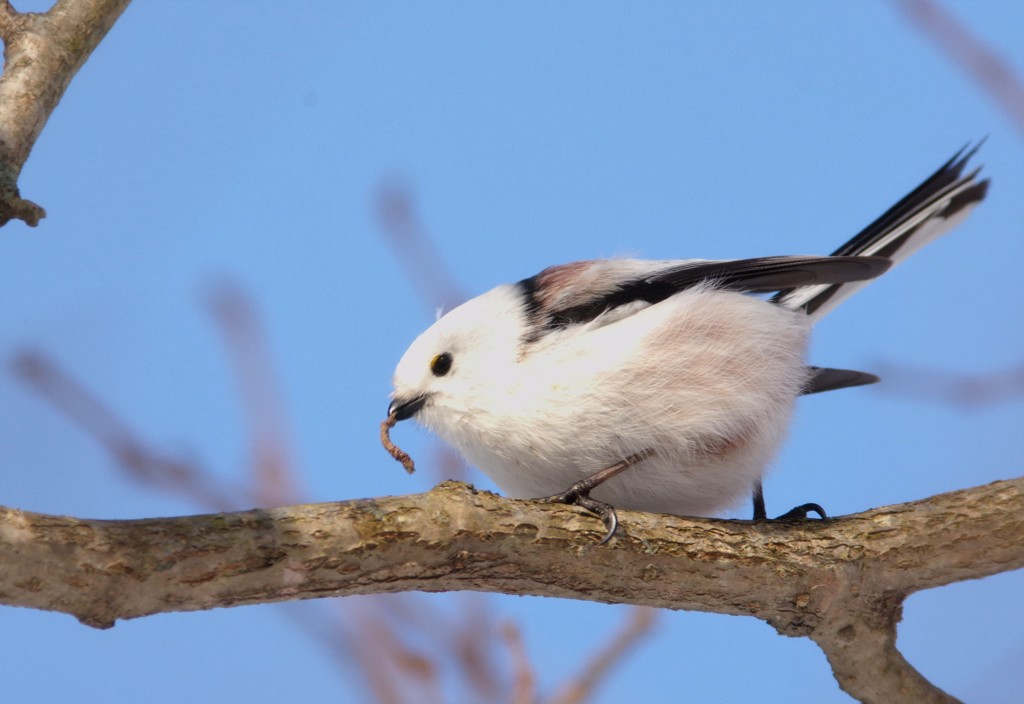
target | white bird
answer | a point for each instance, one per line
(660, 386)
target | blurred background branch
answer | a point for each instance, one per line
(977, 58)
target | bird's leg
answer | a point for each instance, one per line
(579, 493)
(798, 513)
(759, 513)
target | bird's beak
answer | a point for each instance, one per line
(402, 409)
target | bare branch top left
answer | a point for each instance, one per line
(42, 53)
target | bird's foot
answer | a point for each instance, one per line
(795, 514)
(579, 493)
(800, 513)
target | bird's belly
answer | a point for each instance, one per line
(683, 478)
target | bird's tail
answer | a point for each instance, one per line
(931, 210)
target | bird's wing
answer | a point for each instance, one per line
(577, 293)
(932, 209)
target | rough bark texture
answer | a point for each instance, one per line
(42, 53)
(840, 582)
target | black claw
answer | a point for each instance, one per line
(797, 514)
(579, 495)
(800, 512)
(606, 512)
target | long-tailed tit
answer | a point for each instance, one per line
(656, 385)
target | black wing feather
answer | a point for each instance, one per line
(767, 274)
(825, 379)
(760, 275)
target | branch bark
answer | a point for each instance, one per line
(42, 53)
(841, 582)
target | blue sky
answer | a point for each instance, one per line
(245, 141)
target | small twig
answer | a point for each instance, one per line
(130, 451)
(988, 69)
(448, 464)
(967, 391)
(473, 644)
(425, 266)
(401, 665)
(640, 621)
(274, 476)
(523, 691)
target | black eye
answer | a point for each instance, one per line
(441, 364)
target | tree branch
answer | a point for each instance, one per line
(841, 582)
(42, 53)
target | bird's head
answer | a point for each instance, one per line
(445, 373)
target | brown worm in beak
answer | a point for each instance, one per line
(393, 449)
